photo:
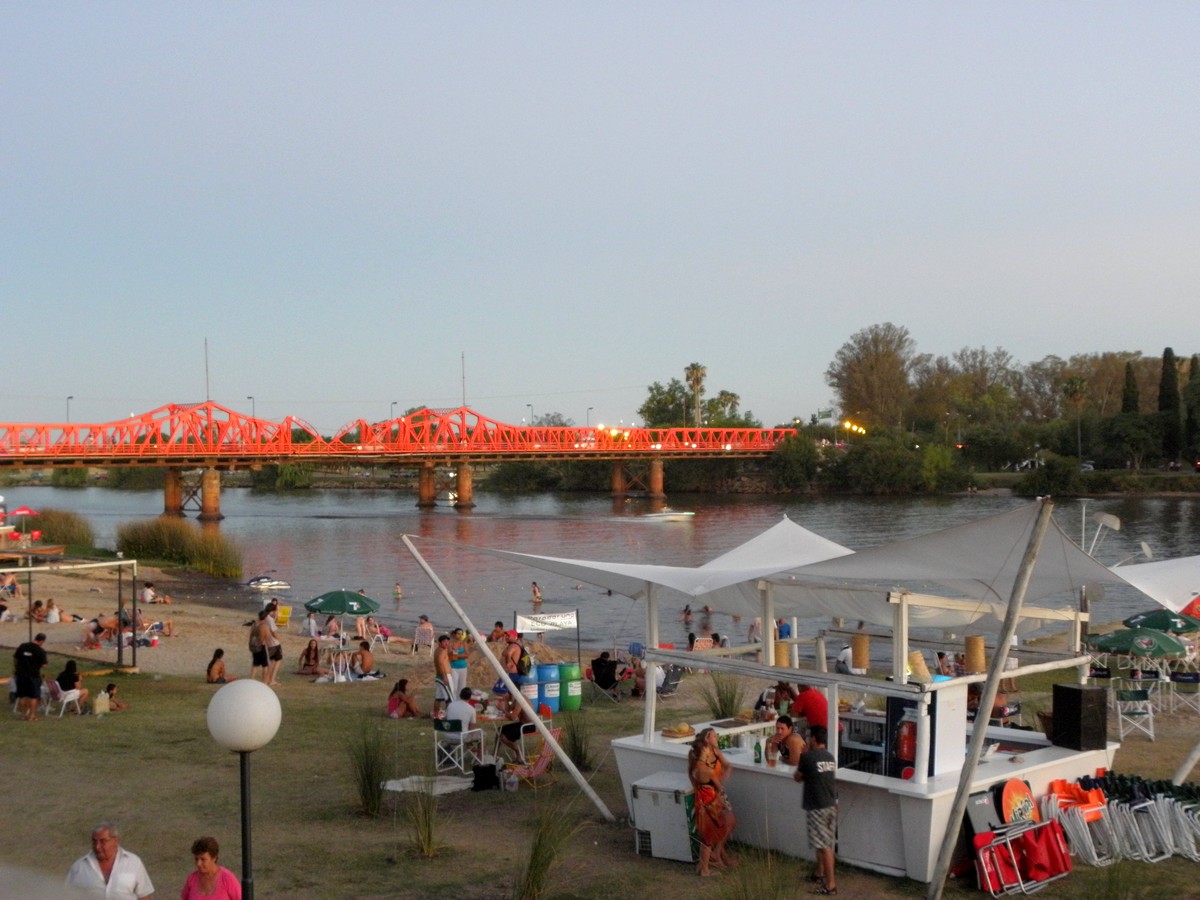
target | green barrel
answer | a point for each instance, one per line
(571, 692)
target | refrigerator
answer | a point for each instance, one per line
(662, 816)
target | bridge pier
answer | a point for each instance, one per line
(655, 479)
(426, 486)
(464, 486)
(173, 492)
(210, 496)
(618, 479)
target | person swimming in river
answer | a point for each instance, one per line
(537, 593)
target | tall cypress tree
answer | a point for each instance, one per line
(1169, 407)
(1130, 398)
(1191, 406)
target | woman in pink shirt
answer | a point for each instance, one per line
(210, 881)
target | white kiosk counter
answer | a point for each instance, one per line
(889, 825)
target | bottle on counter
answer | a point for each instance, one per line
(758, 752)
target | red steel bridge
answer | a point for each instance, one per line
(213, 437)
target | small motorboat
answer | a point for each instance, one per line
(669, 515)
(268, 583)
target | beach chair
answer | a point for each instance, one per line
(381, 640)
(672, 676)
(62, 698)
(454, 748)
(540, 767)
(1185, 691)
(612, 693)
(283, 615)
(423, 637)
(1135, 713)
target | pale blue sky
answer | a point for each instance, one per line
(581, 198)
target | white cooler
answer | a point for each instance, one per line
(662, 816)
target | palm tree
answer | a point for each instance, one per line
(695, 375)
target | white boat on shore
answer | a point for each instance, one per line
(268, 583)
(669, 515)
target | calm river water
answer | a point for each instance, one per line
(321, 540)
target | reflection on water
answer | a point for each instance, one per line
(321, 540)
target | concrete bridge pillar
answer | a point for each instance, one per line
(656, 480)
(619, 488)
(210, 496)
(426, 486)
(464, 486)
(173, 493)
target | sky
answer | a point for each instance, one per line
(346, 210)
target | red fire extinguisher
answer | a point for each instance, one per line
(906, 740)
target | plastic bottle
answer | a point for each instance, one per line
(758, 752)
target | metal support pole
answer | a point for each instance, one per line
(247, 861)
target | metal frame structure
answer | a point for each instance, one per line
(212, 434)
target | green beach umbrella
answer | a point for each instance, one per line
(1143, 642)
(1163, 619)
(342, 603)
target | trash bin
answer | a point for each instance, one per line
(570, 691)
(548, 685)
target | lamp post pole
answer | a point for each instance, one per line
(69, 399)
(392, 411)
(244, 716)
(530, 405)
(253, 413)
(588, 418)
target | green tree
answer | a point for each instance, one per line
(795, 461)
(695, 374)
(1130, 397)
(75, 476)
(1169, 407)
(1191, 406)
(870, 374)
(1074, 391)
(1130, 438)
(665, 406)
(883, 463)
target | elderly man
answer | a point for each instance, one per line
(110, 871)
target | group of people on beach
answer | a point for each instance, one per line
(109, 870)
(30, 659)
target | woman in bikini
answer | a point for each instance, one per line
(707, 770)
(310, 660)
(215, 674)
(400, 704)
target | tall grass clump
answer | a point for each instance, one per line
(722, 695)
(178, 541)
(60, 526)
(368, 763)
(577, 739)
(551, 832)
(421, 812)
(760, 876)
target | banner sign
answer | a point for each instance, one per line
(547, 622)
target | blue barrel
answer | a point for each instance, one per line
(548, 685)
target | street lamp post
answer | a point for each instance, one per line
(392, 411)
(253, 414)
(588, 417)
(244, 716)
(69, 399)
(530, 405)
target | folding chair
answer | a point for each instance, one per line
(283, 615)
(1135, 713)
(451, 745)
(596, 689)
(62, 698)
(379, 639)
(1185, 691)
(540, 767)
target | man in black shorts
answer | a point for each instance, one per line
(28, 662)
(818, 773)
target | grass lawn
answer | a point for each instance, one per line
(155, 771)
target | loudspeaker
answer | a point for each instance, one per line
(1080, 717)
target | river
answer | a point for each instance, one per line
(325, 539)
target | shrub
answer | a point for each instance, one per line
(60, 526)
(577, 739)
(421, 812)
(368, 762)
(552, 828)
(723, 696)
(180, 542)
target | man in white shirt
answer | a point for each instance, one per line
(464, 712)
(110, 871)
